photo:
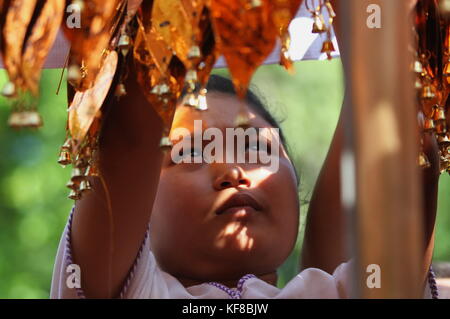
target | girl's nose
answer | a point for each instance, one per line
(233, 176)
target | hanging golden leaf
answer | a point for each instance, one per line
(152, 58)
(99, 21)
(86, 105)
(282, 14)
(245, 35)
(18, 17)
(40, 42)
(176, 21)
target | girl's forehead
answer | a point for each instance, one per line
(223, 110)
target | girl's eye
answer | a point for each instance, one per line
(252, 147)
(192, 152)
(258, 146)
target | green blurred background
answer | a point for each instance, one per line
(33, 198)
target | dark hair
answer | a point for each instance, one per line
(218, 83)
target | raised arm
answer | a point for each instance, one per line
(325, 233)
(130, 161)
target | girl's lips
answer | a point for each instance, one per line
(240, 203)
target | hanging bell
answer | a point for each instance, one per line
(201, 100)
(319, 24)
(441, 127)
(165, 143)
(85, 186)
(71, 185)
(9, 90)
(25, 119)
(124, 44)
(190, 100)
(428, 92)
(64, 157)
(428, 124)
(78, 174)
(417, 67)
(74, 195)
(439, 114)
(160, 89)
(423, 160)
(92, 170)
(328, 48)
(444, 140)
(191, 76)
(74, 75)
(194, 53)
(120, 90)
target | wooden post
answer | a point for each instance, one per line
(388, 211)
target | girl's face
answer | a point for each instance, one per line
(219, 221)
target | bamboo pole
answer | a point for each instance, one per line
(387, 215)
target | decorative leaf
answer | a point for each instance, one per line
(99, 21)
(40, 42)
(245, 35)
(14, 30)
(85, 105)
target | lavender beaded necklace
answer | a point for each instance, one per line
(233, 293)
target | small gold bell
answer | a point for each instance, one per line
(124, 44)
(71, 185)
(190, 100)
(423, 160)
(428, 124)
(191, 76)
(92, 170)
(9, 90)
(417, 67)
(85, 186)
(22, 119)
(428, 92)
(74, 75)
(328, 48)
(64, 158)
(78, 174)
(74, 195)
(160, 89)
(441, 127)
(319, 24)
(165, 143)
(439, 114)
(444, 141)
(201, 103)
(194, 52)
(120, 90)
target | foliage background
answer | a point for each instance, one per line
(33, 202)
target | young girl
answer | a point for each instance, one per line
(213, 226)
(204, 230)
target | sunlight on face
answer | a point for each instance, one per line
(235, 232)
